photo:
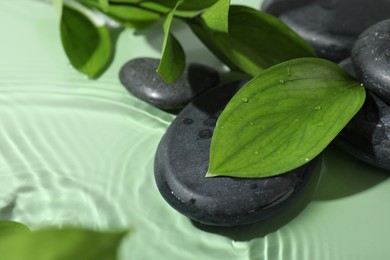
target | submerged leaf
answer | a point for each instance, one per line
(86, 39)
(255, 40)
(10, 227)
(173, 59)
(283, 118)
(54, 244)
(216, 17)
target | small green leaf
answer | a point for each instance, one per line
(283, 118)
(173, 59)
(54, 244)
(255, 41)
(216, 17)
(86, 40)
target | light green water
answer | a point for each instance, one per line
(80, 152)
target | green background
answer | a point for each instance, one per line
(80, 152)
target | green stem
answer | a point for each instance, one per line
(140, 6)
(137, 5)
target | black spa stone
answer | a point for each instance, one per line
(330, 26)
(367, 135)
(182, 160)
(371, 59)
(140, 78)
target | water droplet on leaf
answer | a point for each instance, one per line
(317, 107)
(245, 100)
(320, 124)
(256, 152)
(252, 123)
(281, 81)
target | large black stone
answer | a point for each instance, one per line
(367, 135)
(182, 160)
(330, 26)
(371, 59)
(140, 78)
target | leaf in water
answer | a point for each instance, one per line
(283, 118)
(86, 39)
(173, 59)
(10, 227)
(216, 17)
(255, 41)
(54, 244)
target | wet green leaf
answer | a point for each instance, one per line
(173, 59)
(55, 244)
(283, 118)
(86, 39)
(255, 40)
(216, 17)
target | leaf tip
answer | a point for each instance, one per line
(210, 175)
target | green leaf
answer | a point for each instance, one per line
(10, 227)
(255, 41)
(55, 244)
(173, 59)
(86, 40)
(283, 118)
(216, 17)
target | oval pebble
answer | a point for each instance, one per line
(367, 135)
(371, 59)
(330, 26)
(181, 164)
(140, 78)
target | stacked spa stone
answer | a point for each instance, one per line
(359, 29)
(182, 158)
(331, 27)
(367, 136)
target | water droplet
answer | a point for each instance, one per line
(288, 71)
(252, 123)
(245, 100)
(281, 81)
(320, 124)
(317, 107)
(256, 152)
(361, 84)
(307, 159)
(205, 133)
(188, 121)
(222, 127)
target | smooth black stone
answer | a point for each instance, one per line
(182, 160)
(371, 59)
(140, 78)
(367, 135)
(330, 26)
